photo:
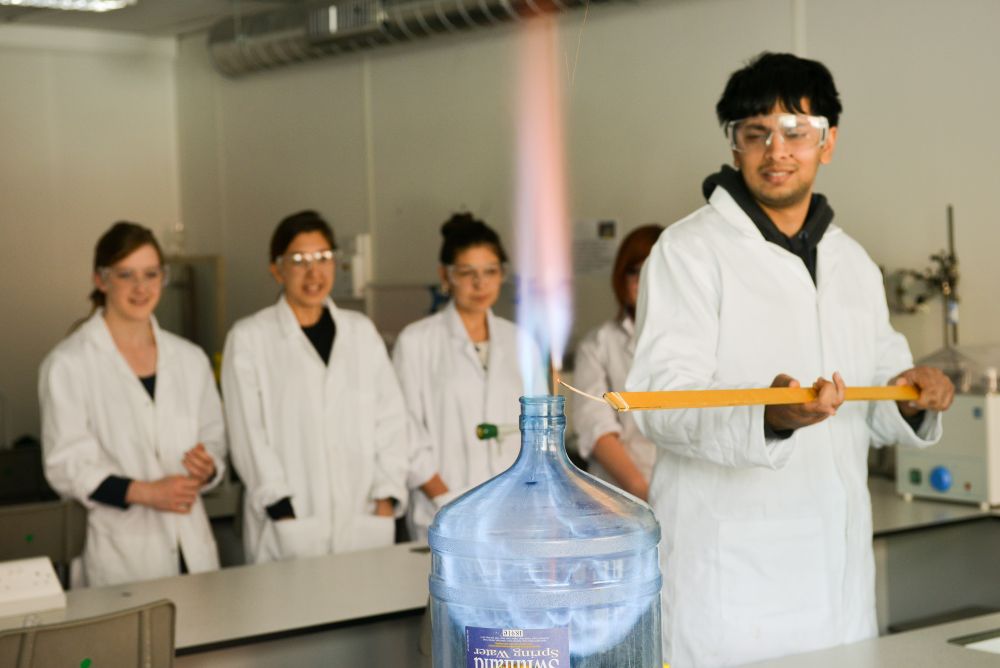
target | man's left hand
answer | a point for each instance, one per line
(936, 390)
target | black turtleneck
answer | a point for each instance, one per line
(803, 244)
(321, 334)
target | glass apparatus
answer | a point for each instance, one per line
(973, 369)
(544, 562)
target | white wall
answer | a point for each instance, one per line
(393, 140)
(251, 154)
(89, 137)
(920, 90)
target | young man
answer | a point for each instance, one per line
(765, 512)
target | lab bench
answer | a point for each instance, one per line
(366, 608)
(926, 648)
(360, 608)
(932, 558)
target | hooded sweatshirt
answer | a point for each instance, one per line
(803, 243)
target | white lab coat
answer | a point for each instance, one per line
(603, 359)
(448, 393)
(330, 437)
(98, 420)
(767, 546)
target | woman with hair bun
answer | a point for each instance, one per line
(132, 425)
(459, 368)
(616, 449)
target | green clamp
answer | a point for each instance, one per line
(486, 431)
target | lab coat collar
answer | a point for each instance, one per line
(96, 330)
(805, 241)
(456, 328)
(733, 213)
(458, 333)
(726, 205)
(289, 324)
(291, 330)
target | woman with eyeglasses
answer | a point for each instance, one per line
(616, 449)
(459, 368)
(317, 422)
(132, 425)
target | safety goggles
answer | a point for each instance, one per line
(798, 132)
(323, 258)
(151, 275)
(469, 274)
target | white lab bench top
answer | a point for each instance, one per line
(253, 603)
(924, 648)
(250, 604)
(892, 514)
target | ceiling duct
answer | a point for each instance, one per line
(255, 42)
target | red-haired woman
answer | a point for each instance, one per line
(611, 441)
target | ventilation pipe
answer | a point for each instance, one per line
(255, 42)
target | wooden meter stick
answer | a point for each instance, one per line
(648, 401)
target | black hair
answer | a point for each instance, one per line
(462, 231)
(296, 224)
(770, 79)
(120, 241)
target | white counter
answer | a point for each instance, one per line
(333, 610)
(250, 604)
(892, 514)
(926, 648)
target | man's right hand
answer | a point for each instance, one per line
(173, 494)
(829, 397)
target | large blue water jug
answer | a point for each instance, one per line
(545, 566)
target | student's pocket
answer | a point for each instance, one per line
(774, 580)
(302, 537)
(370, 531)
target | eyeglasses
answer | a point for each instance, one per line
(159, 275)
(323, 259)
(798, 132)
(468, 274)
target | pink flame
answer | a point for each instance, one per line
(542, 226)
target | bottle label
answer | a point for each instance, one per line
(517, 648)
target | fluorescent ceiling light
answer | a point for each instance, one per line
(77, 5)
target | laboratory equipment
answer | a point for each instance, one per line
(352, 274)
(965, 464)
(544, 565)
(486, 430)
(192, 304)
(909, 291)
